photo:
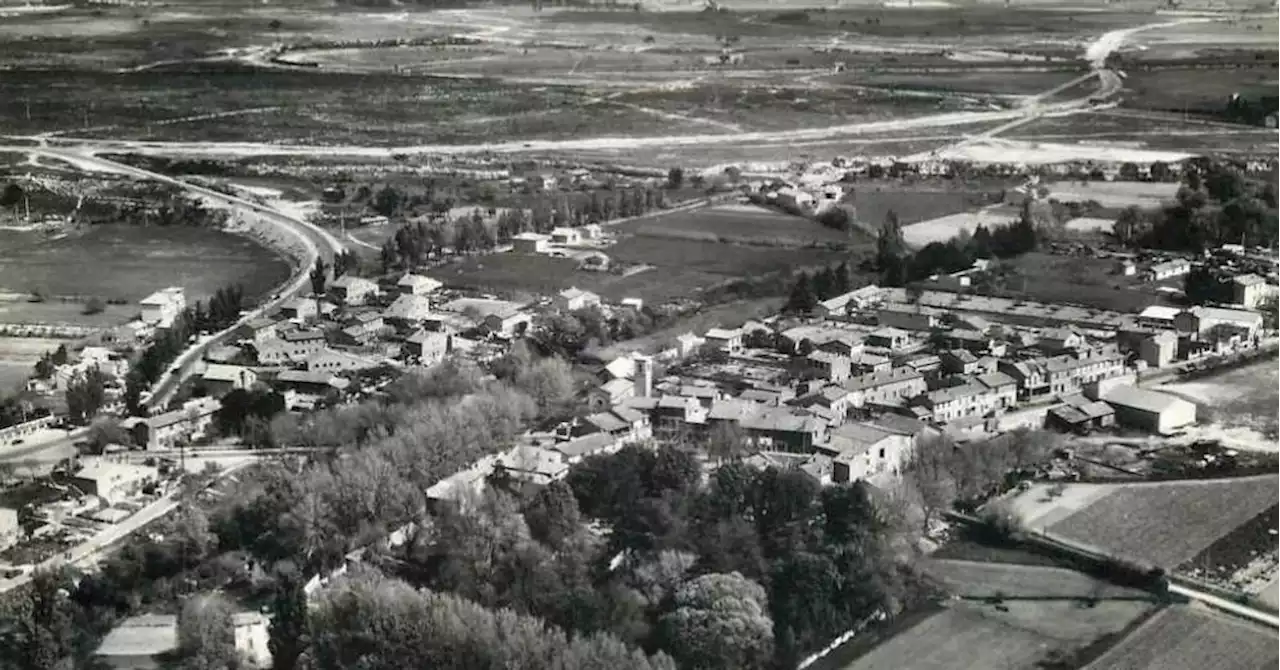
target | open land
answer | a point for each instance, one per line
(1188, 637)
(1164, 524)
(741, 224)
(128, 263)
(1025, 633)
(981, 580)
(18, 356)
(1236, 406)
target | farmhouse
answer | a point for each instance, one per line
(530, 243)
(408, 309)
(1169, 269)
(412, 284)
(508, 322)
(574, 299)
(725, 339)
(300, 309)
(429, 347)
(162, 307)
(350, 290)
(294, 345)
(533, 464)
(259, 330)
(113, 482)
(169, 429)
(864, 450)
(1150, 410)
(221, 379)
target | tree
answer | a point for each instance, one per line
(552, 515)
(675, 177)
(802, 299)
(105, 431)
(719, 621)
(289, 637)
(205, 635)
(94, 306)
(319, 277)
(891, 250)
(86, 393)
(40, 627)
(11, 195)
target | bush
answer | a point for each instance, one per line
(94, 306)
(1000, 523)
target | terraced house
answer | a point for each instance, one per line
(1065, 374)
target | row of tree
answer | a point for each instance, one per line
(824, 284)
(898, 265)
(1217, 204)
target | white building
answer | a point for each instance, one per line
(574, 299)
(351, 290)
(1149, 410)
(113, 482)
(412, 284)
(10, 530)
(1169, 269)
(162, 307)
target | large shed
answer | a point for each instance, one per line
(1150, 410)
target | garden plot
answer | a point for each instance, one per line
(1187, 637)
(1164, 523)
(944, 228)
(1023, 635)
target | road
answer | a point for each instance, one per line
(1265, 618)
(315, 240)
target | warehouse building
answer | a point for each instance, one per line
(1157, 412)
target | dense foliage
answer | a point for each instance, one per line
(898, 265)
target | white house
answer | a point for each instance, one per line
(566, 236)
(162, 307)
(408, 308)
(113, 482)
(573, 299)
(1169, 269)
(351, 290)
(530, 243)
(412, 284)
(428, 346)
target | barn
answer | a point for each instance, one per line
(1157, 412)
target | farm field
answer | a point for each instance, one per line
(749, 224)
(944, 228)
(18, 356)
(128, 263)
(1165, 524)
(981, 580)
(1076, 280)
(1187, 637)
(1196, 91)
(973, 635)
(923, 202)
(1114, 194)
(678, 269)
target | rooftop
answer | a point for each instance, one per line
(1142, 399)
(224, 373)
(146, 635)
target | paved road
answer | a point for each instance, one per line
(1265, 618)
(315, 240)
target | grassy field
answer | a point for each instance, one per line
(1198, 91)
(1243, 398)
(914, 203)
(1165, 524)
(1114, 194)
(981, 580)
(1027, 634)
(1077, 280)
(944, 228)
(747, 224)
(18, 356)
(1185, 637)
(128, 263)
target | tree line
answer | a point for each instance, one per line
(808, 290)
(1215, 205)
(898, 265)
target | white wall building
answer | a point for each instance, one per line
(162, 307)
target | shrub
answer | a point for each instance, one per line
(94, 306)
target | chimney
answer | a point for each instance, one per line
(643, 377)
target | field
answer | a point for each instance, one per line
(678, 269)
(1077, 280)
(18, 355)
(944, 228)
(128, 263)
(914, 203)
(981, 580)
(1114, 194)
(973, 635)
(1196, 91)
(1185, 637)
(1239, 404)
(1164, 524)
(746, 224)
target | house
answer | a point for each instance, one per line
(1158, 349)
(428, 346)
(908, 317)
(1199, 321)
(259, 330)
(829, 366)
(251, 635)
(1055, 341)
(139, 642)
(864, 450)
(593, 444)
(175, 427)
(1078, 414)
(885, 388)
(300, 309)
(313, 383)
(1250, 290)
(783, 429)
(533, 464)
(958, 362)
(1169, 269)
(412, 284)
(351, 290)
(1158, 316)
(622, 423)
(1062, 375)
(160, 308)
(329, 360)
(795, 200)
(1003, 389)
(291, 346)
(1159, 413)
(113, 482)
(889, 339)
(407, 310)
(611, 393)
(530, 243)
(10, 529)
(508, 322)
(221, 379)
(566, 236)
(967, 399)
(724, 339)
(833, 399)
(574, 299)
